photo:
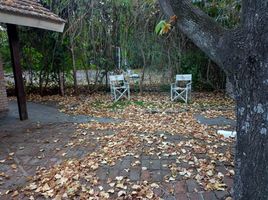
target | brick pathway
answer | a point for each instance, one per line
(27, 150)
(31, 146)
(23, 151)
(154, 169)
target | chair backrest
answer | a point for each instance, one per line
(129, 72)
(183, 77)
(116, 78)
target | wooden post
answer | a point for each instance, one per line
(15, 56)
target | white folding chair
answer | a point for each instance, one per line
(182, 87)
(119, 87)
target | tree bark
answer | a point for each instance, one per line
(61, 83)
(197, 26)
(74, 69)
(143, 71)
(87, 77)
(251, 180)
(41, 80)
(243, 54)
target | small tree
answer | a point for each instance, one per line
(243, 54)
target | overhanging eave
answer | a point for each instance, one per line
(31, 22)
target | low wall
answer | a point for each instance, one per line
(3, 94)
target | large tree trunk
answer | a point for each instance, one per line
(243, 55)
(251, 181)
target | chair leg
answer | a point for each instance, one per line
(115, 95)
(128, 93)
(189, 95)
(171, 94)
(119, 94)
(112, 94)
(180, 95)
(186, 98)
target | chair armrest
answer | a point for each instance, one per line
(172, 85)
(189, 85)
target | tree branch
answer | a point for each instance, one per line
(197, 26)
(253, 12)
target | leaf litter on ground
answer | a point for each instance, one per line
(150, 119)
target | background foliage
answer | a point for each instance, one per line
(93, 31)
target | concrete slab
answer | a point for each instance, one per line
(219, 121)
(46, 114)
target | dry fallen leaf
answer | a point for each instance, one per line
(15, 193)
(141, 125)
(121, 193)
(14, 166)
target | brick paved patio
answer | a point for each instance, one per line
(25, 148)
